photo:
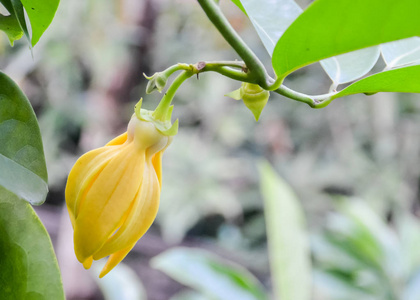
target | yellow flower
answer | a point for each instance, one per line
(112, 193)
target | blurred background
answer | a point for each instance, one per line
(86, 74)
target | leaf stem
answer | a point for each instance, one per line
(161, 111)
(237, 70)
(252, 62)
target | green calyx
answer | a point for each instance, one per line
(163, 126)
(254, 97)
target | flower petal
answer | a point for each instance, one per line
(106, 202)
(115, 259)
(85, 167)
(157, 164)
(119, 140)
(140, 217)
(88, 263)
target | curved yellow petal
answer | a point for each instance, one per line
(107, 201)
(119, 140)
(85, 167)
(140, 217)
(88, 263)
(115, 259)
(157, 165)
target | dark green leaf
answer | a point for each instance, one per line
(22, 163)
(41, 14)
(404, 80)
(209, 274)
(287, 238)
(29, 269)
(329, 27)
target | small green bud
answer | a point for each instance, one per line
(254, 97)
(157, 82)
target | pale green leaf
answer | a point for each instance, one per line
(271, 18)
(22, 163)
(41, 14)
(363, 234)
(350, 66)
(401, 52)
(214, 277)
(328, 28)
(404, 80)
(28, 267)
(288, 243)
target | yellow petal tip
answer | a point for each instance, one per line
(88, 263)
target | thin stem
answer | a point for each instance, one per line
(230, 69)
(226, 68)
(315, 101)
(162, 109)
(252, 62)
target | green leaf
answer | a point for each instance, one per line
(29, 269)
(362, 234)
(288, 243)
(403, 80)
(41, 14)
(15, 9)
(10, 25)
(209, 274)
(401, 52)
(22, 162)
(329, 27)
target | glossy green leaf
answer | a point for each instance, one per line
(22, 163)
(350, 66)
(15, 9)
(288, 243)
(401, 52)
(28, 267)
(328, 28)
(271, 18)
(214, 277)
(404, 80)
(41, 14)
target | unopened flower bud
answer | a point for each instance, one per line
(157, 82)
(254, 97)
(112, 193)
